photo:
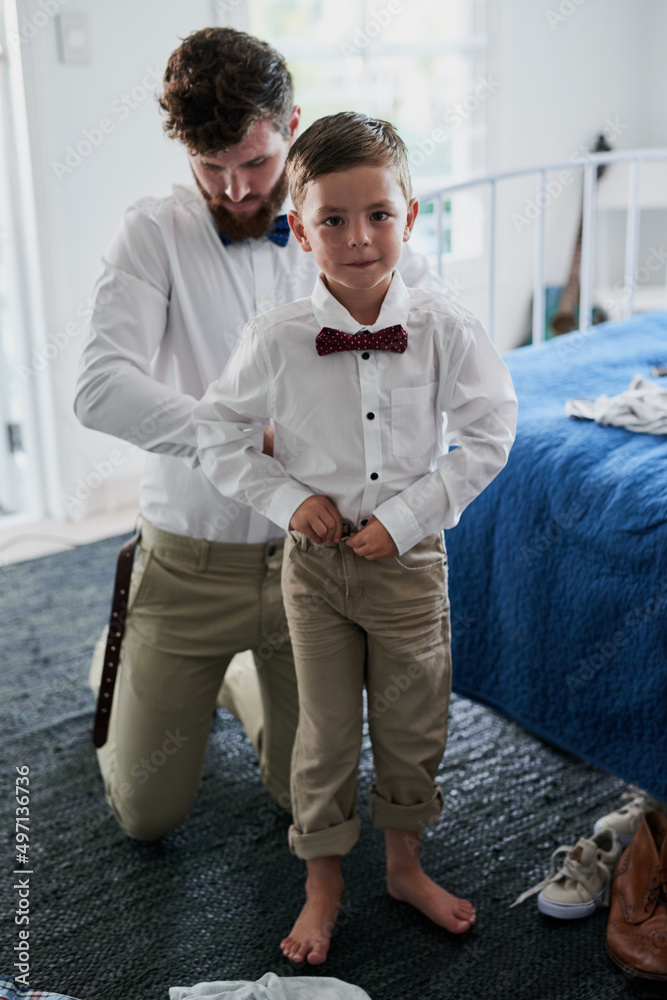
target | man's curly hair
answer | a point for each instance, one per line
(218, 83)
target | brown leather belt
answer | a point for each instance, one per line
(121, 591)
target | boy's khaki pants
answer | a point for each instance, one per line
(383, 623)
(192, 606)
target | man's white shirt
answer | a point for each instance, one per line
(168, 309)
(411, 438)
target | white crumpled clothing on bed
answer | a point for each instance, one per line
(641, 408)
(272, 987)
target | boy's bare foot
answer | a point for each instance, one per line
(408, 882)
(310, 937)
(445, 910)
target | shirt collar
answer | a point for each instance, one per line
(329, 311)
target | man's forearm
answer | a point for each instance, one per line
(132, 406)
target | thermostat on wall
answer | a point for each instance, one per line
(74, 37)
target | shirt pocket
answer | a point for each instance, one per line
(413, 425)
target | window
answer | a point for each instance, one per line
(21, 481)
(420, 64)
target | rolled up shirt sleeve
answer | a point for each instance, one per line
(478, 401)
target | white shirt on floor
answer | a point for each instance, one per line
(168, 310)
(371, 430)
(272, 987)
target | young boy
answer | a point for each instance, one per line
(368, 384)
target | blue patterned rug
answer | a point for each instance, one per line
(114, 919)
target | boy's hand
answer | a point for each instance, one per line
(318, 519)
(373, 541)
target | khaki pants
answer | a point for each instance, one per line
(192, 606)
(383, 624)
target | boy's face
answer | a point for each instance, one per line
(355, 223)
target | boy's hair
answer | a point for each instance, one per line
(218, 83)
(338, 142)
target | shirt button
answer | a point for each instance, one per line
(374, 475)
(370, 416)
(365, 355)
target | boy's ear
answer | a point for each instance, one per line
(296, 226)
(413, 212)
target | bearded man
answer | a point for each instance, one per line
(182, 276)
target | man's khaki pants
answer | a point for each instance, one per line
(192, 606)
(383, 624)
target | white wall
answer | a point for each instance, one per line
(567, 69)
(78, 206)
(558, 86)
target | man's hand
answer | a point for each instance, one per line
(373, 541)
(269, 437)
(318, 519)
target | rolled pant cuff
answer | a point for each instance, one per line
(391, 816)
(337, 840)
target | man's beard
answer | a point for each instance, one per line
(246, 225)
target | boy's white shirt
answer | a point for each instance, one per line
(450, 387)
(167, 311)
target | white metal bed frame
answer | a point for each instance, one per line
(589, 165)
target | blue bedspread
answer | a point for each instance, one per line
(558, 571)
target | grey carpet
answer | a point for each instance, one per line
(114, 919)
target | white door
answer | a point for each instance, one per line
(20, 485)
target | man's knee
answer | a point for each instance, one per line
(142, 817)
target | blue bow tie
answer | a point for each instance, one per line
(278, 235)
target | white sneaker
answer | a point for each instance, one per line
(626, 820)
(584, 881)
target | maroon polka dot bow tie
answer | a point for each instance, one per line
(392, 338)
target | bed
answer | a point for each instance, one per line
(558, 571)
